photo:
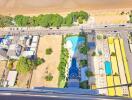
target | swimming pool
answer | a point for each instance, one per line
(75, 40)
(108, 68)
(73, 70)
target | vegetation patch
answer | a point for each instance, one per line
(113, 54)
(49, 51)
(10, 64)
(83, 49)
(49, 77)
(83, 63)
(84, 85)
(99, 37)
(130, 18)
(62, 65)
(56, 20)
(94, 53)
(89, 73)
(25, 65)
(5, 21)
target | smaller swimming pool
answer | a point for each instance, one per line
(108, 68)
(75, 40)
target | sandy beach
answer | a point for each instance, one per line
(104, 11)
(51, 61)
(33, 7)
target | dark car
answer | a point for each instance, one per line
(122, 25)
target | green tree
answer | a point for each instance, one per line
(5, 21)
(69, 20)
(22, 20)
(24, 65)
(80, 20)
(84, 15)
(83, 49)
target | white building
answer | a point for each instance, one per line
(3, 54)
(14, 51)
(35, 39)
(11, 78)
(28, 54)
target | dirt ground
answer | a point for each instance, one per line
(51, 62)
(22, 80)
(2, 67)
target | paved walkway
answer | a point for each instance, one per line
(128, 53)
(100, 68)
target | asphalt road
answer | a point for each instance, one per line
(57, 97)
(51, 94)
(63, 30)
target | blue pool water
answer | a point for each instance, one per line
(73, 70)
(76, 40)
(108, 68)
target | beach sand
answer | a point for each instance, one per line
(104, 11)
(51, 62)
(33, 7)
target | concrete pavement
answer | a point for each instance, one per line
(127, 50)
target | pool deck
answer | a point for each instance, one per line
(99, 67)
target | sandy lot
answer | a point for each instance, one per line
(51, 62)
(22, 80)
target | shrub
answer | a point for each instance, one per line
(84, 85)
(116, 74)
(62, 65)
(100, 53)
(83, 63)
(113, 54)
(89, 73)
(80, 20)
(24, 65)
(104, 36)
(36, 63)
(10, 64)
(48, 51)
(49, 77)
(99, 37)
(83, 49)
(94, 54)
